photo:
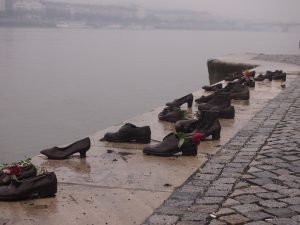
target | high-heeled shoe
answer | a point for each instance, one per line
(27, 171)
(185, 99)
(42, 186)
(81, 146)
(169, 147)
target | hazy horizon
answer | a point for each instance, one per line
(255, 10)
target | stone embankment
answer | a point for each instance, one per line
(250, 176)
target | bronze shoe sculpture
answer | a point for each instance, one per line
(170, 146)
(185, 99)
(130, 133)
(81, 147)
(171, 114)
(42, 186)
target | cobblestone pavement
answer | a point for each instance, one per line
(254, 179)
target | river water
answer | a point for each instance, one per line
(60, 85)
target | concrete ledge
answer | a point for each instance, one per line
(122, 186)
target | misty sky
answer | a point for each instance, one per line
(255, 10)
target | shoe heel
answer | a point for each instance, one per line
(83, 153)
(216, 135)
(189, 151)
(190, 103)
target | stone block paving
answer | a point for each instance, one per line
(254, 179)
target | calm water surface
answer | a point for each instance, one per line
(59, 85)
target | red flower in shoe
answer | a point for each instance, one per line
(13, 170)
(196, 137)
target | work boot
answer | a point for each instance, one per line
(171, 114)
(185, 99)
(209, 124)
(218, 101)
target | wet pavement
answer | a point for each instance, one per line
(117, 184)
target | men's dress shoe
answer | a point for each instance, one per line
(279, 75)
(27, 171)
(81, 146)
(39, 186)
(185, 99)
(169, 147)
(204, 99)
(212, 87)
(130, 133)
(239, 92)
(218, 101)
(171, 114)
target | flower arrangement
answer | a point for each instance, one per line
(196, 137)
(13, 170)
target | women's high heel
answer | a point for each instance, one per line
(185, 99)
(81, 146)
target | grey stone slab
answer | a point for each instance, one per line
(202, 208)
(295, 208)
(257, 215)
(270, 195)
(292, 192)
(272, 204)
(210, 200)
(284, 221)
(246, 199)
(258, 223)
(216, 222)
(162, 220)
(291, 201)
(234, 219)
(246, 208)
(283, 212)
(231, 202)
(225, 211)
(195, 216)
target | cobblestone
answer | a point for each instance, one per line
(253, 179)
